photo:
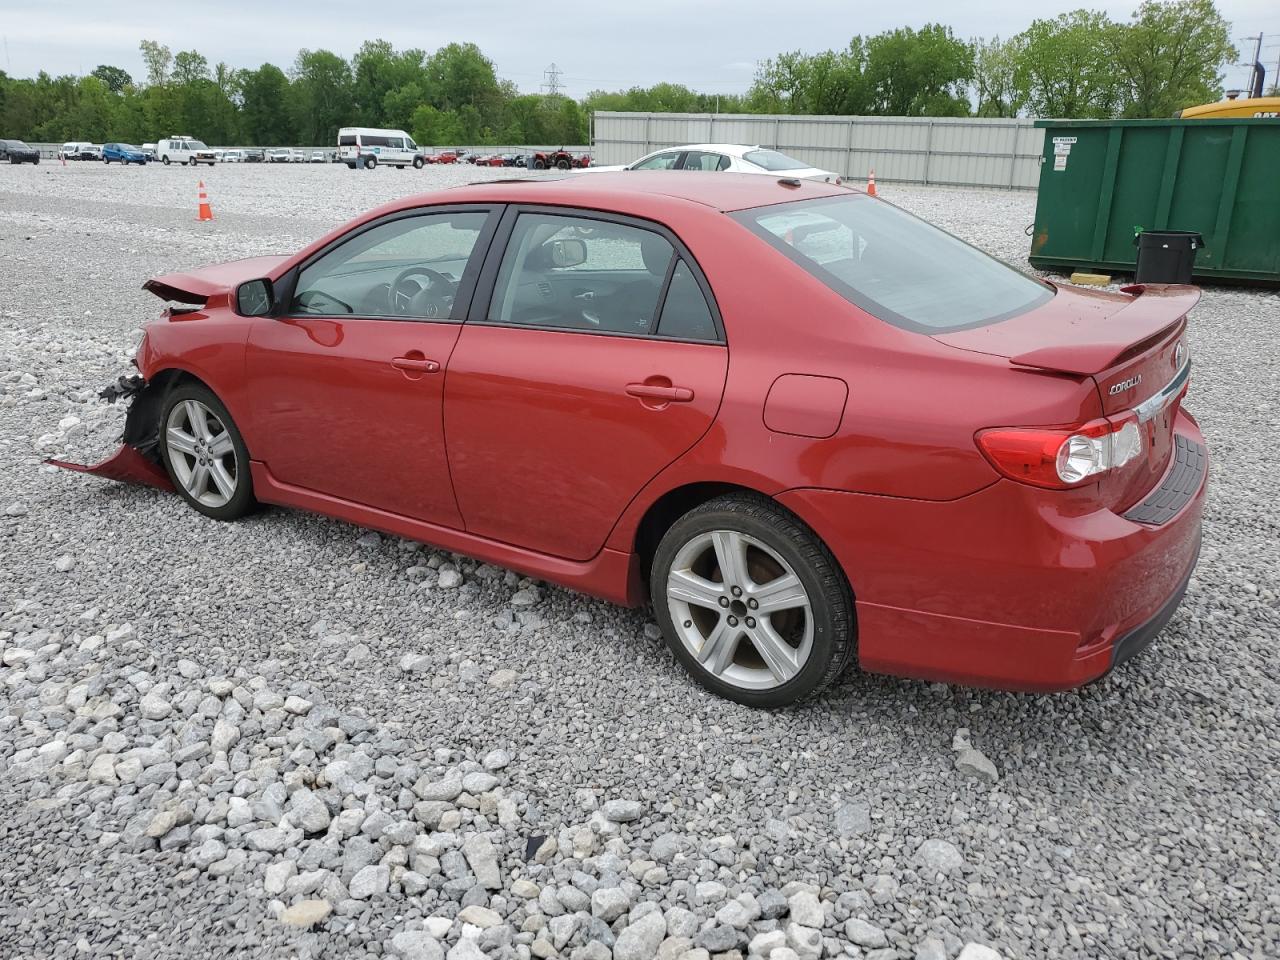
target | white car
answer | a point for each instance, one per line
(724, 157)
(279, 156)
(297, 156)
(233, 156)
(317, 156)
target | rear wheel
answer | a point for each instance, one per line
(370, 162)
(752, 602)
(165, 160)
(205, 455)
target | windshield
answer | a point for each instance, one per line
(196, 145)
(127, 146)
(893, 265)
(773, 160)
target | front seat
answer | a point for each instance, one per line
(632, 306)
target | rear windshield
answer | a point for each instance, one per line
(773, 160)
(893, 265)
(347, 140)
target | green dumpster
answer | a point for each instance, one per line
(1101, 181)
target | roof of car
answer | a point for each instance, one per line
(724, 191)
(732, 149)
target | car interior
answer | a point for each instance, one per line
(615, 288)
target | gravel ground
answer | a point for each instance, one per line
(291, 737)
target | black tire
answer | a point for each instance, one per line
(165, 160)
(539, 165)
(562, 164)
(370, 162)
(417, 163)
(242, 502)
(833, 628)
(351, 166)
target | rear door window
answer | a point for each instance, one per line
(893, 265)
(708, 162)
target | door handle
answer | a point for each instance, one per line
(651, 391)
(416, 364)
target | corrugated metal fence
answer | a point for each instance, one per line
(946, 151)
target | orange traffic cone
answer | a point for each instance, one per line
(206, 211)
(871, 183)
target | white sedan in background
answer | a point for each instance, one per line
(725, 157)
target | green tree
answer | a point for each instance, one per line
(1064, 66)
(1171, 56)
(265, 101)
(159, 61)
(323, 96)
(115, 78)
(189, 66)
(995, 76)
(919, 73)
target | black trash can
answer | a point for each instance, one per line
(1166, 256)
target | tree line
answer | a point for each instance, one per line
(1170, 54)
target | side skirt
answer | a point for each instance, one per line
(610, 575)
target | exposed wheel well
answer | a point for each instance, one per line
(142, 425)
(669, 508)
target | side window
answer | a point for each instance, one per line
(685, 314)
(405, 269)
(578, 274)
(705, 161)
(663, 161)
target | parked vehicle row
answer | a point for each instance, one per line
(15, 151)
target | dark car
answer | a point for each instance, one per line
(255, 156)
(510, 159)
(15, 151)
(946, 469)
(125, 153)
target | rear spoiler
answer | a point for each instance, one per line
(1154, 310)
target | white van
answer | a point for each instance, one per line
(72, 149)
(371, 146)
(183, 149)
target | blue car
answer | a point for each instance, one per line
(125, 153)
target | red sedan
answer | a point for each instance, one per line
(807, 426)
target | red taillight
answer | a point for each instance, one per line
(1058, 458)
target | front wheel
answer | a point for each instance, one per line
(417, 163)
(205, 455)
(752, 602)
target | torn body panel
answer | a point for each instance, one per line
(138, 459)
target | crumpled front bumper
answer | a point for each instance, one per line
(138, 459)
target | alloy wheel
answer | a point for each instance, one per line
(201, 453)
(740, 610)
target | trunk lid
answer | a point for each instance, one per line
(1131, 344)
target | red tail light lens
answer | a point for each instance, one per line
(1058, 458)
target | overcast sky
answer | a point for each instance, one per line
(709, 45)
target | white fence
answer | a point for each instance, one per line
(945, 151)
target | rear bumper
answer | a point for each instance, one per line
(1010, 587)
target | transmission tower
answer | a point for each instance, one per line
(551, 83)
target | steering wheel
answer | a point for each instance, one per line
(440, 287)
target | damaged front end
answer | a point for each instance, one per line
(138, 459)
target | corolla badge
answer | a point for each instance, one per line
(1124, 385)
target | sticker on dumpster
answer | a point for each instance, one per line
(1064, 139)
(1060, 162)
(1062, 149)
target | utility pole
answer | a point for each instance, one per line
(1255, 68)
(551, 82)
